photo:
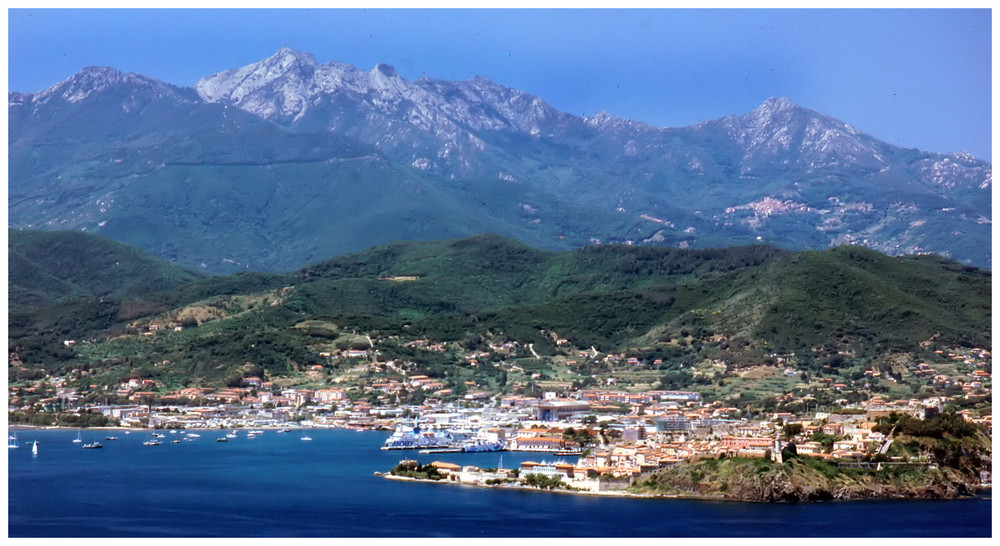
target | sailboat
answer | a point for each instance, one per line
(78, 439)
(34, 448)
(305, 438)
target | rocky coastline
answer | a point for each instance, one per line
(746, 485)
(807, 481)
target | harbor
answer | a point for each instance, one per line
(207, 489)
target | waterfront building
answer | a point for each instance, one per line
(560, 409)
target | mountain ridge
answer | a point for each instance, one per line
(486, 158)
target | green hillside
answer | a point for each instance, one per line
(67, 285)
(45, 267)
(741, 306)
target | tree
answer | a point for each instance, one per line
(788, 452)
(581, 436)
(542, 481)
(790, 430)
(826, 439)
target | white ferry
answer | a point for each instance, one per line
(413, 437)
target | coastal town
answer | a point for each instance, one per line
(616, 432)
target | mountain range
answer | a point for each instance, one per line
(287, 161)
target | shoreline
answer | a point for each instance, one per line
(518, 487)
(54, 427)
(664, 496)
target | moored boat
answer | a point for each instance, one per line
(413, 437)
(481, 446)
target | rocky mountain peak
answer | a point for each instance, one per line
(95, 79)
(604, 121)
(598, 119)
(777, 104)
(775, 111)
(276, 86)
(385, 79)
(778, 131)
(772, 171)
(386, 70)
(287, 55)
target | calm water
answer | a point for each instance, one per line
(278, 485)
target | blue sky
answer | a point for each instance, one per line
(913, 78)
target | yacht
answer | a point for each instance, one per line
(12, 441)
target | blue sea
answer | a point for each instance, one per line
(277, 485)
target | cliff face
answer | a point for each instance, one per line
(801, 480)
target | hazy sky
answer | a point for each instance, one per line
(913, 78)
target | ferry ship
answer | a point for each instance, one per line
(413, 437)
